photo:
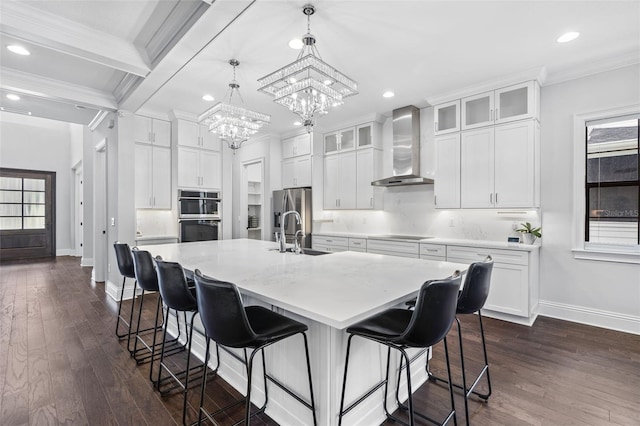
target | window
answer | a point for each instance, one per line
(22, 203)
(612, 184)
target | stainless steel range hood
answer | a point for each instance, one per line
(406, 149)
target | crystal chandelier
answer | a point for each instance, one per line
(234, 124)
(308, 86)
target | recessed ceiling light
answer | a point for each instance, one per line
(328, 82)
(388, 94)
(297, 123)
(296, 44)
(208, 98)
(13, 97)
(80, 107)
(18, 50)
(564, 38)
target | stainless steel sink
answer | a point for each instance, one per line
(311, 252)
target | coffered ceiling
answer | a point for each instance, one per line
(157, 56)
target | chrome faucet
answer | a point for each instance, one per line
(283, 225)
(297, 246)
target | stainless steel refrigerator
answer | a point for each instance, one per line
(298, 199)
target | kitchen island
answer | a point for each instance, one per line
(328, 293)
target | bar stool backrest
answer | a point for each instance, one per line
(222, 312)
(144, 270)
(173, 286)
(124, 259)
(476, 287)
(434, 313)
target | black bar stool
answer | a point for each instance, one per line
(229, 323)
(147, 279)
(177, 295)
(470, 301)
(400, 329)
(125, 265)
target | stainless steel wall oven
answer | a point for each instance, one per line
(199, 216)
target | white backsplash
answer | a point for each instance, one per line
(409, 210)
(156, 222)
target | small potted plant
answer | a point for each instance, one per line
(529, 233)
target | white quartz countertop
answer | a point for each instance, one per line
(436, 240)
(155, 237)
(336, 289)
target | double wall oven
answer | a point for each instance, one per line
(199, 216)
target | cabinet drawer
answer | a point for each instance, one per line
(393, 247)
(358, 244)
(322, 240)
(433, 250)
(476, 254)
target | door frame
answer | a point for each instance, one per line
(244, 197)
(100, 253)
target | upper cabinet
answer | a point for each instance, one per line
(152, 177)
(446, 118)
(447, 182)
(151, 131)
(297, 145)
(504, 105)
(341, 140)
(196, 136)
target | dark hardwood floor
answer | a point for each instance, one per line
(60, 363)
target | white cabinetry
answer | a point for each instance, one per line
(499, 166)
(341, 140)
(433, 251)
(151, 131)
(199, 157)
(152, 177)
(394, 248)
(296, 172)
(199, 168)
(351, 166)
(503, 105)
(447, 182)
(340, 181)
(514, 288)
(196, 136)
(446, 118)
(329, 243)
(296, 161)
(358, 244)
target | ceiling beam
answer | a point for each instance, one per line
(47, 88)
(51, 31)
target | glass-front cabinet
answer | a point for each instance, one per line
(446, 118)
(342, 140)
(503, 105)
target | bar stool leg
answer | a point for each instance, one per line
(486, 361)
(313, 405)
(186, 378)
(121, 336)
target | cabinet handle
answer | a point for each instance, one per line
(154, 201)
(432, 250)
(371, 202)
(491, 198)
(150, 137)
(435, 127)
(435, 200)
(496, 198)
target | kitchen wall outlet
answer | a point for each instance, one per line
(109, 267)
(514, 225)
(113, 221)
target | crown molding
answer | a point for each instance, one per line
(594, 67)
(126, 86)
(100, 116)
(538, 73)
(36, 26)
(43, 87)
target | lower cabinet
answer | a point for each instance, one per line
(514, 288)
(329, 244)
(394, 248)
(433, 251)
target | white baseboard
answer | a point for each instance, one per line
(588, 316)
(113, 290)
(86, 261)
(65, 252)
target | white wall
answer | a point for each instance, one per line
(610, 292)
(40, 144)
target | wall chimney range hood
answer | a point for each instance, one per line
(406, 149)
